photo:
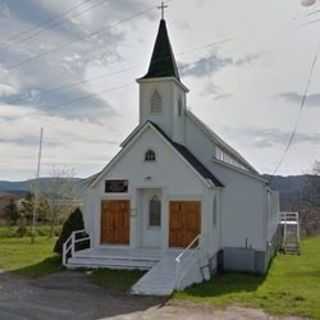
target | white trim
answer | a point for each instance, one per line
(239, 170)
(152, 80)
(115, 196)
(133, 133)
(185, 197)
(208, 183)
(217, 140)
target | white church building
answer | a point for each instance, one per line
(176, 200)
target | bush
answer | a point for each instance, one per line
(73, 223)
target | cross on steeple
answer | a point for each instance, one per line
(162, 7)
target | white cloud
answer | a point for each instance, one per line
(241, 95)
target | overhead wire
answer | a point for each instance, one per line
(108, 74)
(302, 105)
(90, 35)
(48, 23)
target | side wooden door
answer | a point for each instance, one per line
(115, 222)
(185, 223)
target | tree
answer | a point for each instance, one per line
(73, 223)
(311, 188)
(61, 196)
(27, 205)
(11, 212)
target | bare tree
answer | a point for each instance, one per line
(311, 188)
(310, 209)
(61, 196)
(316, 168)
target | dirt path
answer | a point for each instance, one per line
(178, 312)
(71, 296)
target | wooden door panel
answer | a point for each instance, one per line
(185, 223)
(115, 222)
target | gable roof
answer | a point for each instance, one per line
(163, 63)
(220, 142)
(192, 159)
(186, 155)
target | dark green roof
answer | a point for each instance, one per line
(163, 62)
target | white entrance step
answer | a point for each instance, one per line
(160, 280)
(114, 258)
(111, 263)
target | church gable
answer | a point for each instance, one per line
(149, 153)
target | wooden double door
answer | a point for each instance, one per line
(115, 222)
(185, 223)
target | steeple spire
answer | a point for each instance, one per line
(163, 63)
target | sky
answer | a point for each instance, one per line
(70, 67)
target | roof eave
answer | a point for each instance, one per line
(159, 79)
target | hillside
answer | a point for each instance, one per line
(17, 187)
(294, 190)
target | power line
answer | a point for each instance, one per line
(302, 104)
(48, 21)
(58, 23)
(89, 96)
(92, 34)
(108, 74)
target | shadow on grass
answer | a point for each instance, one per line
(117, 281)
(227, 283)
(42, 268)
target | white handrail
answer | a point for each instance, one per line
(183, 254)
(180, 256)
(289, 216)
(70, 245)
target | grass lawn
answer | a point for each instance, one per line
(33, 260)
(18, 255)
(292, 286)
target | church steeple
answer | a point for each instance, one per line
(163, 63)
(163, 96)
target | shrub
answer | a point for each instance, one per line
(73, 223)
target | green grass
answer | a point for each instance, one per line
(18, 255)
(292, 286)
(118, 281)
(41, 230)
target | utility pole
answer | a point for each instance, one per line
(36, 190)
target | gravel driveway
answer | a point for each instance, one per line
(70, 295)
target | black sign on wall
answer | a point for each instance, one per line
(116, 186)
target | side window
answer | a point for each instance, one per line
(180, 107)
(219, 154)
(150, 156)
(155, 212)
(214, 213)
(156, 102)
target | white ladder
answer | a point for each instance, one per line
(291, 232)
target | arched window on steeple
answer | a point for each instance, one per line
(156, 102)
